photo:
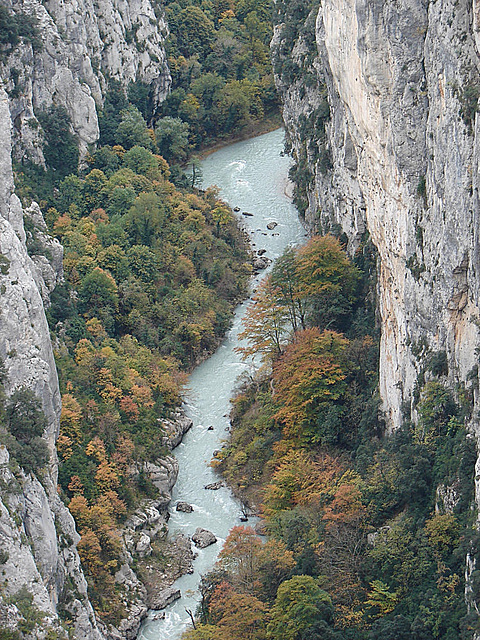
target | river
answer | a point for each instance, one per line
(251, 175)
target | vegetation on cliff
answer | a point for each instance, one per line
(366, 543)
(219, 57)
(152, 274)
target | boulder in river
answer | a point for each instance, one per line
(271, 225)
(260, 252)
(210, 428)
(184, 506)
(214, 486)
(163, 598)
(236, 209)
(261, 263)
(246, 213)
(203, 538)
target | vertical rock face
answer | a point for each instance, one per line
(397, 156)
(79, 47)
(38, 556)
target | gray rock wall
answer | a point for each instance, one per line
(401, 150)
(38, 539)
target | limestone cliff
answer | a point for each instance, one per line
(63, 54)
(40, 567)
(380, 103)
(78, 47)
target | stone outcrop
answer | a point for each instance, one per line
(37, 533)
(165, 597)
(381, 108)
(385, 136)
(80, 47)
(203, 538)
(175, 428)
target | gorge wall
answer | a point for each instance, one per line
(79, 48)
(380, 103)
(74, 52)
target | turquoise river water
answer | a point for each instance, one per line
(251, 175)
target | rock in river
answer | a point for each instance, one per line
(214, 486)
(184, 506)
(271, 225)
(163, 598)
(203, 538)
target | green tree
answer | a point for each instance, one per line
(140, 160)
(61, 149)
(172, 139)
(145, 220)
(436, 413)
(98, 297)
(24, 415)
(132, 130)
(195, 31)
(300, 606)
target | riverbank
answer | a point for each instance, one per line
(256, 129)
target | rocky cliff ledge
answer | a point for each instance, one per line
(40, 567)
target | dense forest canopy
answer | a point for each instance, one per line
(360, 543)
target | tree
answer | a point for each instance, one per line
(195, 31)
(436, 413)
(92, 190)
(309, 377)
(132, 130)
(140, 160)
(239, 556)
(61, 150)
(286, 282)
(171, 135)
(301, 479)
(99, 293)
(221, 216)
(265, 323)
(300, 605)
(238, 616)
(327, 280)
(144, 222)
(24, 415)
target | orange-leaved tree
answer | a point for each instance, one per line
(309, 379)
(265, 323)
